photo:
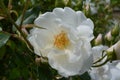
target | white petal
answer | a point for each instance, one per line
(115, 74)
(118, 65)
(97, 51)
(61, 63)
(89, 23)
(40, 39)
(35, 45)
(101, 73)
(86, 29)
(47, 20)
(67, 16)
(80, 17)
(78, 46)
(69, 63)
(115, 70)
(87, 64)
(87, 55)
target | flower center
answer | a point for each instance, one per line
(61, 40)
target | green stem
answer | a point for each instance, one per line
(101, 63)
(103, 52)
(23, 13)
(22, 34)
(100, 59)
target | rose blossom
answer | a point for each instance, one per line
(65, 41)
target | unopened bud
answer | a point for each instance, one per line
(98, 40)
(59, 3)
(67, 2)
(108, 36)
(38, 60)
(115, 31)
(41, 60)
(115, 49)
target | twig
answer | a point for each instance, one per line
(23, 13)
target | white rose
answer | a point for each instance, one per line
(101, 73)
(65, 41)
(109, 71)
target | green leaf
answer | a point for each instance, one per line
(15, 74)
(12, 45)
(44, 72)
(25, 73)
(4, 38)
(2, 52)
(30, 15)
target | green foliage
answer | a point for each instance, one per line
(16, 58)
(29, 15)
(2, 52)
(4, 38)
(85, 76)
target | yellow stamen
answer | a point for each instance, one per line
(61, 40)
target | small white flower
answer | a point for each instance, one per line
(115, 69)
(101, 73)
(65, 41)
(109, 71)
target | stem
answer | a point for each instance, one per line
(23, 13)
(101, 63)
(100, 59)
(9, 4)
(24, 37)
(103, 52)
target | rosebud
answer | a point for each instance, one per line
(59, 3)
(115, 49)
(86, 7)
(108, 36)
(67, 2)
(38, 60)
(41, 60)
(115, 31)
(98, 40)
